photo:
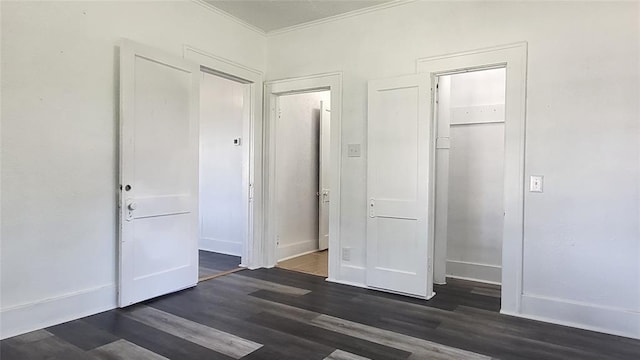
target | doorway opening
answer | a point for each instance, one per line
(225, 108)
(302, 181)
(513, 58)
(275, 91)
(469, 178)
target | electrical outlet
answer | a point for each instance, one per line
(353, 150)
(346, 254)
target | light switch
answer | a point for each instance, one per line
(535, 183)
(353, 150)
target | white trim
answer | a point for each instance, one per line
(223, 64)
(622, 322)
(304, 83)
(342, 16)
(474, 271)
(221, 246)
(514, 58)
(491, 49)
(470, 279)
(40, 314)
(303, 25)
(296, 249)
(225, 14)
(252, 253)
(273, 89)
(298, 255)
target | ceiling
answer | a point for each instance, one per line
(271, 15)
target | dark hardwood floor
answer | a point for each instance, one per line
(212, 263)
(280, 314)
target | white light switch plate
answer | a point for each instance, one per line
(535, 183)
(353, 150)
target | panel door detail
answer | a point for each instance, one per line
(398, 166)
(158, 248)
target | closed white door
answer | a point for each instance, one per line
(398, 166)
(323, 170)
(158, 241)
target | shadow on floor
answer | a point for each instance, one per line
(212, 263)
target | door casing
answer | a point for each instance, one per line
(513, 57)
(252, 153)
(274, 89)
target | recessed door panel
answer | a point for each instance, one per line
(158, 173)
(398, 166)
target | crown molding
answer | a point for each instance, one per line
(225, 14)
(304, 25)
(346, 15)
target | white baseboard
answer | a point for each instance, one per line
(470, 279)
(21, 319)
(297, 255)
(221, 246)
(616, 321)
(296, 249)
(474, 271)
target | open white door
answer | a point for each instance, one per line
(159, 112)
(398, 165)
(441, 208)
(325, 177)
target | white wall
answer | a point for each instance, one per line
(224, 104)
(476, 174)
(60, 141)
(297, 151)
(581, 236)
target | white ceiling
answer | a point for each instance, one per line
(270, 15)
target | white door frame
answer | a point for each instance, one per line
(274, 89)
(514, 58)
(252, 154)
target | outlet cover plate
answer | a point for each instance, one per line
(353, 150)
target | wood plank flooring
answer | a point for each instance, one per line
(316, 263)
(280, 314)
(212, 263)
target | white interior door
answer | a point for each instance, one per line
(158, 244)
(398, 166)
(325, 177)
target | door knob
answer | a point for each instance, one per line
(132, 206)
